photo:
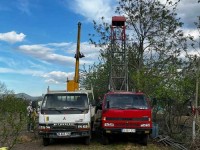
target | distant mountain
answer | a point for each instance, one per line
(28, 97)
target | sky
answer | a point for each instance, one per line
(38, 39)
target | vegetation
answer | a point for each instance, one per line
(158, 64)
(13, 116)
(158, 60)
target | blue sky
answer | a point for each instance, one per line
(38, 39)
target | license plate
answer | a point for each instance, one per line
(128, 130)
(63, 133)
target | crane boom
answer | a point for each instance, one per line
(76, 77)
(73, 85)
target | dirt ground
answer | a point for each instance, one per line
(29, 141)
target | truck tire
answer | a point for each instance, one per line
(46, 141)
(87, 141)
(144, 139)
(104, 140)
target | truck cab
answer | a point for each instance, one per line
(65, 115)
(126, 113)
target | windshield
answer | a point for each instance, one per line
(126, 101)
(62, 101)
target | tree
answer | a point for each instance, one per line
(12, 115)
(154, 42)
(97, 77)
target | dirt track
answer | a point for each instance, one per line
(77, 144)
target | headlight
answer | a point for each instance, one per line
(109, 124)
(44, 128)
(83, 126)
(145, 125)
(41, 127)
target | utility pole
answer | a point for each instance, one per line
(198, 27)
(196, 112)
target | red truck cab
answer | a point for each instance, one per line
(126, 113)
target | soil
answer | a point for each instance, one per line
(30, 141)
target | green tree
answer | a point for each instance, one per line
(12, 115)
(154, 44)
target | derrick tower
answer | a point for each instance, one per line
(118, 61)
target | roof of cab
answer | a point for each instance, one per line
(124, 92)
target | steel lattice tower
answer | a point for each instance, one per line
(118, 62)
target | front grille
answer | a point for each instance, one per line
(128, 125)
(128, 119)
(63, 127)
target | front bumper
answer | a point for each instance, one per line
(64, 134)
(129, 131)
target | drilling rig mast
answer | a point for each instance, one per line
(118, 67)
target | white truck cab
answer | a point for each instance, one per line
(65, 115)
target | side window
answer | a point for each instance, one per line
(44, 102)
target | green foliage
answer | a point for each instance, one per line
(97, 77)
(9, 103)
(13, 117)
(153, 45)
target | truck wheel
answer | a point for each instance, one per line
(105, 140)
(87, 141)
(144, 139)
(46, 141)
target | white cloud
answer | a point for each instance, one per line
(8, 61)
(12, 37)
(193, 32)
(36, 65)
(52, 81)
(89, 50)
(57, 77)
(188, 10)
(194, 52)
(23, 71)
(45, 53)
(62, 44)
(6, 70)
(94, 9)
(24, 6)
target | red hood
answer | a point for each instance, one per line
(127, 118)
(127, 113)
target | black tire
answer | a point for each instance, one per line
(46, 141)
(104, 140)
(87, 141)
(144, 139)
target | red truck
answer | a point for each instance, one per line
(123, 113)
(126, 113)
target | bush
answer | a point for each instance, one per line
(13, 119)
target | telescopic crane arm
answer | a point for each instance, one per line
(73, 85)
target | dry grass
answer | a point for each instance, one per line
(77, 144)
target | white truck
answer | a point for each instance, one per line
(66, 115)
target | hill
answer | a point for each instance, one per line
(28, 97)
